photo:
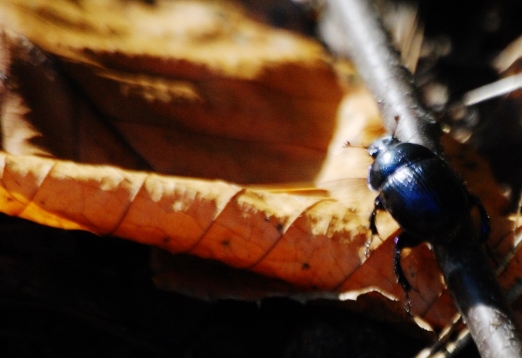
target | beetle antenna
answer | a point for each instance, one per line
(397, 119)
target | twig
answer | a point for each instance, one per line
(480, 299)
(463, 263)
(368, 45)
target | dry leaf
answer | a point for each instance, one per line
(185, 87)
(289, 237)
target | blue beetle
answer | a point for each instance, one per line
(422, 193)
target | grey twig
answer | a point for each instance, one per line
(479, 297)
(462, 261)
(369, 46)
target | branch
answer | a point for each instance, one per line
(470, 280)
(480, 299)
(369, 46)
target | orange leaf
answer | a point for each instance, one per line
(190, 88)
(308, 241)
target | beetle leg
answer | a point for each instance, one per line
(377, 206)
(401, 241)
(485, 227)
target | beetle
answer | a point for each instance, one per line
(422, 193)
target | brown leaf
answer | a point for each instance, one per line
(311, 242)
(182, 99)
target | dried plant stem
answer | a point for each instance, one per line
(464, 266)
(379, 65)
(479, 297)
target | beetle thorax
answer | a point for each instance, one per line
(391, 158)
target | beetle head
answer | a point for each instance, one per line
(380, 145)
